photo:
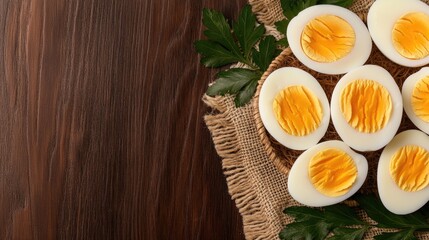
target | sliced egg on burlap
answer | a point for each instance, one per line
(403, 172)
(415, 95)
(326, 174)
(329, 39)
(400, 29)
(366, 108)
(294, 108)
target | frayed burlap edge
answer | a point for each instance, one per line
(240, 185)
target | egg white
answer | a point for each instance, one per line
(367, 141)
(299, 183)
(358, 55)
(407, 92)
(393, 198)
(381, 19)
(275, 83)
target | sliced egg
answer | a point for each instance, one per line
(294, 108)
(326, 174)
(366, 108)
(415, 95)
(400, 29)
(329, 39)
(403, 172)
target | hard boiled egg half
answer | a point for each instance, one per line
(366, 108)
(326, 174)
(415, 94)
(294, 108)
(403, 172)
(329, 39)
(400, 29)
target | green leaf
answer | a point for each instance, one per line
(376, 210)
(218, 30)
(425, 211)
(401, 235)
(343, 223)
(232, 81)
(291, 8)
(283, 42)
(348, 233)
(333, 217)
(245, 31)
(282, 25)
(225, 46)
(342, 215)
(213, 54)
(342, 3)
(301, 213)
(266, 54)
(246, 94)
(310, 229)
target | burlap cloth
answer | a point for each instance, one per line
(255, 166)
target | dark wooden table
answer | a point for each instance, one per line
(101, 119)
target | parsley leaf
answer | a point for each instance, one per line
(226, 45)
(401, 235)
(342, 222)
(232, 81)
(385, 219)
(309, 229)
(312, 223)
(291, 8)
(342, 215)
(247, 34)
(218, 30)
(282, 25)
(239, 81)
(309, 224)
(342, 3)
(283, 42)
(342, 233)
(215, 55)
(267, 51)
(302, 214)
(246, 94)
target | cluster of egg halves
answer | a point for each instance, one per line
(366, 105)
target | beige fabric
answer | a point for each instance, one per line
(257, 186)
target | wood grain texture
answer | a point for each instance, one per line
(102, 135)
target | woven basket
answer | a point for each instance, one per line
(282, 157)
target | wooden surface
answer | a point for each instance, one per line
(101, 122)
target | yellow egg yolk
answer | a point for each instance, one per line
(297, 110)
(409, 168)
(420, 99)
(410, 35)
(327, 38)
(366, 105)
(332, 172)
